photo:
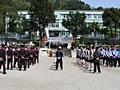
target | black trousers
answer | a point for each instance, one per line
(27, 62)
(10, 63)
(61, 64)
(2, 63)
(15, 61)
(115, 62)
(118, 60)
(97, 66)
(32, 60)
(22, 63)
(37, 58)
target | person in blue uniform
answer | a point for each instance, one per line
(118, 57)
(114, 57)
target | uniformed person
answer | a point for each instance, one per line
(59, 57)
(32, 55)
(37, 55)
(114, 57)
(27, 57)
(118, 57)
(97, 56)
(10, 58)
(3, 58)
(16, 56)
(22, 60)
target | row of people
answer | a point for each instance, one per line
(108, 56)
(85, 57)
(18, 57)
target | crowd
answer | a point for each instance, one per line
(20, 57)
(91, 57)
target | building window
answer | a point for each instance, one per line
(97, 16)
(89, 16)
(100, 16)
(54, 33)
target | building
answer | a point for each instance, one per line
(56, 32)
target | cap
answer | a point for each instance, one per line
(60, 47)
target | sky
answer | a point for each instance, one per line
(103, 3)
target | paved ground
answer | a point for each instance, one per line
(41, 77)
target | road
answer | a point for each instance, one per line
(42, 77)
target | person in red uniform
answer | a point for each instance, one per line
(27, 57)
(32, 55)
(3, 58)
(16, 56)
(10, 58)
(22, 60)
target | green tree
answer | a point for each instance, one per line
(70, 5)
(107, 20)
(75, 23)
(111, 20)
(9, 8)
(42, 13)
(94, 27)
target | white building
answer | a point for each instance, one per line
(55, 30)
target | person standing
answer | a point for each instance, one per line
(37, 55)
(22, 61)
(59, 57)
(114, 57)
(16, 57)
(3, 58)
(97, 56)
(10, 58)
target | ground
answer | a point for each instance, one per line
(42, 77)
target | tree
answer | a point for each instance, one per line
(107, 20)
(70, 5)
(42, 13)
(111, 19)
(75, 23)
(100, 8)
(94, 27)
(115, 18)
(9, 8)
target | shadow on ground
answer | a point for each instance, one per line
(81, 68)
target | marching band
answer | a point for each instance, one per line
(18, 57)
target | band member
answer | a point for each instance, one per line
(27, 57)
(3, 58)
(10, 58)
(22, 61)
(16, 56)
(32, 55)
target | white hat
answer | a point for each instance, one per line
(60, 47)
